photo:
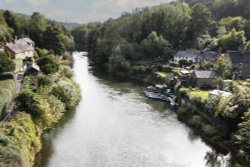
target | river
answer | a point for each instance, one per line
(116, 126)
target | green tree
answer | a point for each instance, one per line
(232, 40)
(200, 20)
(37, 27)
(224, 67)
(52, 38)
(48, 64)
(10, 20)
(6, 63)
(233, 22)
(5, 31)
(118, 65)
(156, 46)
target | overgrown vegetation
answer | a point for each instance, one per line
(18, 141)
(46, 95)
(7, 87)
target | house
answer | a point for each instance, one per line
(207, 56)
(195, 56)
(216, 93)
(241, 63)
(190, 54)
(205, 78)
(20, 50)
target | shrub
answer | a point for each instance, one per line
(185, 62)
(66, 71)
(31, 103)
(44, 80)
(196, 121)
(209, 130)
(68, 92)
(6, 63)
(173, 64)
(18, 141)
(167, 69)
(48, 64)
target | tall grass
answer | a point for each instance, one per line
(7, 88)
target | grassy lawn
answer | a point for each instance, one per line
(6, 92)
(199, 94)
(19, 64)
(196, 95)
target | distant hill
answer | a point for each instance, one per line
(69, 25)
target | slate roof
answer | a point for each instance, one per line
(35, 66)
(238, 57)
(25, 41)
(17, 48)
(204, 74)
(192, 53)
(208, 55)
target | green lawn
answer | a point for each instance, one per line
(196, 95)
(19, 64)
(199, 94)
(7, 87)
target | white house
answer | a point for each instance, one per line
(190, 54)
(195, 56)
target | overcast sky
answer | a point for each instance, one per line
(81, 11)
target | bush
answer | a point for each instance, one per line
(68, 92)
(167, 69)
(209, 130)
(31, 103)
(196, 121)
(44, 80)
(18, 142)
(66, 71)
(6, 63)
(185, 62)
(173, 64)
(48, 64)
(6, 76)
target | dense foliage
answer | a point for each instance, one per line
(6, 63)
(155, 34)
(45, 33)
(18, 141)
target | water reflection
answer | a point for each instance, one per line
(116, 126)
(214, 159)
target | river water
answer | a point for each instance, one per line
(116, 126)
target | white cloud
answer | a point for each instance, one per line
(38, 2)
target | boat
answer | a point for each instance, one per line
(155, 95)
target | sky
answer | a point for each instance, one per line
(80, 11)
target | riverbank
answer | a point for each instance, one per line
(42, 103)
(218, 121)
(115, 125)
